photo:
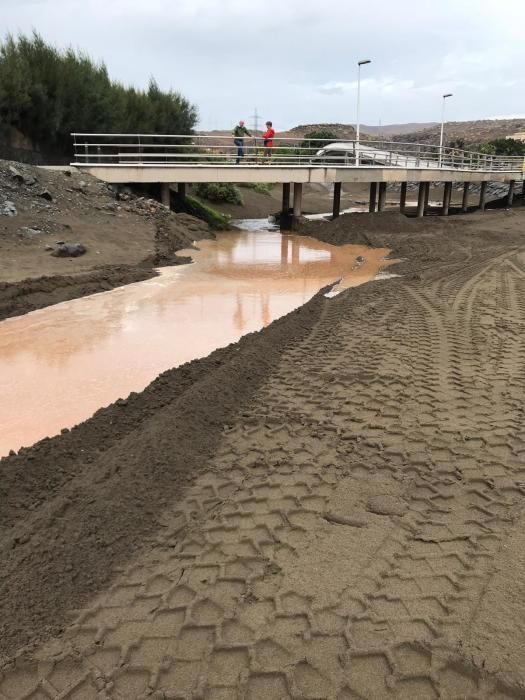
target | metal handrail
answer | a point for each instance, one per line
(200, 149)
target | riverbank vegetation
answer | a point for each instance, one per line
(47, 93)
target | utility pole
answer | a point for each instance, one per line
(449, 94)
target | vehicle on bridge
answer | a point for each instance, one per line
(353, 153)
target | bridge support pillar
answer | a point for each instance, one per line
(464, 202)
(336, 209)
(381, 198)
(285, 208)
(286, 219)
(427, 196)
(422, 198)
(403, 197)
(510, 194)
(373, 196)
(447, 196)
(483, 196)
(297, 199)
(181, 189)
(165, 193)
(523, 193)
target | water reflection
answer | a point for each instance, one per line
(58, 365)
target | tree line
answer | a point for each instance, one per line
(47, 93)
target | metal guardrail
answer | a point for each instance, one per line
(147, 150)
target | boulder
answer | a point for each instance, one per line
(8, 209)
(69, 250)
(21, 178)
(28, 232)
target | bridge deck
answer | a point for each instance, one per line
(172, 173)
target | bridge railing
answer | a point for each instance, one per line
(147, 150)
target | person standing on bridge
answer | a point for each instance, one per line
(239, 133)
(268, 137)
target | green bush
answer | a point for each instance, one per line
(508, 147)
(315, 140)
(216, 220)
(260, 187)
(47, 93)
(219, 192)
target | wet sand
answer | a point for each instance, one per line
(331, 508)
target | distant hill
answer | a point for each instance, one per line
(425, 132)
(472, 131)
(396, 129)
(343, 131)
(348, 130)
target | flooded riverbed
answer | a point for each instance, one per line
(58, 365)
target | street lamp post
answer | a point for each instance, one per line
(357, 125)
(449, 94)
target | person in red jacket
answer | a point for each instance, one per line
(268, 137)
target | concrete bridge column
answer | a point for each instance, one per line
(336, 209)
(181, 189)
(373, 195)
(381, 199)
(510, 195)
(422, 198)
(165, 193)
(427, 195)
(285, 208)
(403, 197)
(464, 203)
(483, 196)
(297, 199)
(447, 196)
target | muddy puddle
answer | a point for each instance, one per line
(60, 364)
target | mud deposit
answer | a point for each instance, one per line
(331, 508)
(61, 364)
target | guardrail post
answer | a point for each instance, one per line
(510, 194)
(483, 196)
(373, 195)
(403, 197)
(447, 196)
(381, 200)
(464, 202)
(337, 200)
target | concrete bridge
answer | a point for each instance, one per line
(174, 160)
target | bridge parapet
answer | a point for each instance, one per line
(154, 150)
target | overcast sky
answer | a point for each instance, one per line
(295, 60)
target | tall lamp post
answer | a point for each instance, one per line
(357, 125)
(449, 94)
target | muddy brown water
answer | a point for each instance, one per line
(60, 364)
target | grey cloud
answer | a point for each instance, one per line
(296, 60)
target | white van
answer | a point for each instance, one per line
(340, 153)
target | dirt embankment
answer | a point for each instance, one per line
(125, 236)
